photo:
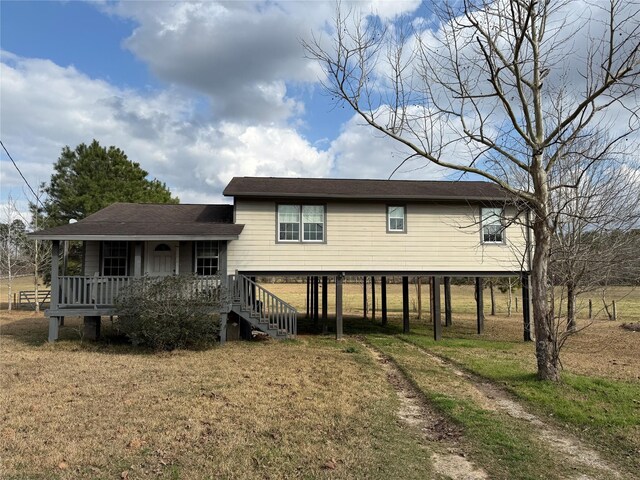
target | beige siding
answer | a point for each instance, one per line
(438, 238)
(92, 258)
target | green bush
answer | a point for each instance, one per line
(172, 312)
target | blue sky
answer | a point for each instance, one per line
(200, 92)
(196, 93)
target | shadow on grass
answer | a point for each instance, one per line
(33, 331)
(352, 325)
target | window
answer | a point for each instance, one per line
(306, 218)
(289, 223)
(115, 257)
(313, 223)
(492, 228)
(396, 219)
(206, 261)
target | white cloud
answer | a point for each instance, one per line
(45, 106)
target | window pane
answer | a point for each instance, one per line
(313, 222)
(492, 229)
(207, 257)
(396, 218)
(289, 222)
(114, 258)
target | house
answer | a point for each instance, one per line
(297, 227)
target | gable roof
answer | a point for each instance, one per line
(364, 189)
(129, 221)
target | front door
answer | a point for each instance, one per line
(161, 259)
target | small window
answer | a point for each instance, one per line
(207, 254)
(289, 223)
(162, 247)
(396, 219)
(492, 228)
(294, 219)
(313, 223)
(115, 257)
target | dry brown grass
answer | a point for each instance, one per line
(602, 348)
(246, 410)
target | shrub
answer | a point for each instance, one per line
(167, 313)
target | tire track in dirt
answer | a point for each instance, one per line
(495, 398)
(414, 411)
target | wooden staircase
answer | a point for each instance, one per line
(261, 308)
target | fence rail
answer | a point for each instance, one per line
(29, 298)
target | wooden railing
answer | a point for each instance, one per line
(79, 291)
(263, 305)
(29, 298)
(82, 291)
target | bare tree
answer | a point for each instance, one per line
(12, 246)
(495, 89)
(594, 211)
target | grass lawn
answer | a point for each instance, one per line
(309, 408)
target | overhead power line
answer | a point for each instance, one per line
(35, 195)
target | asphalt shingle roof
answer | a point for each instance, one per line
(363, 189)
(152, 220)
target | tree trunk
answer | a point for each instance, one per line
(571, 308)
(543, 318)
(510, 297)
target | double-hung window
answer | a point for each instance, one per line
(492, 228)
(206, 257)
(301, 223)
(396, 219)
(115, 259)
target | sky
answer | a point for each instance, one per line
(198, 93)
(195, 92)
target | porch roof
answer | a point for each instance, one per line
(357, 189)
(132, 221)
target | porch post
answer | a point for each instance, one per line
(526, 307)
(373, 297)
(223, 328)
(437, 321)
(364, 296)
(405, 304)
(55, 290)
(177, 269)
(315, 300)
(308, 296)
(137, 261)
(431, 299)
(383, 293)
(447, 301)
(339, 278)
(325, 282)
(479, 305)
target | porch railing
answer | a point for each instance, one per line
(94, 291)
(80, 291)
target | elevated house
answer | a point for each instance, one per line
(292, 227)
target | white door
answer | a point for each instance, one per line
(161, 259)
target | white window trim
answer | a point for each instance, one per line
(404, 219)
(500, 214)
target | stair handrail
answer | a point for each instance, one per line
(279, 314)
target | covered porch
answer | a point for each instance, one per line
(124, 242)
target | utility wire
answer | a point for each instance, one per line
(35, 195)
